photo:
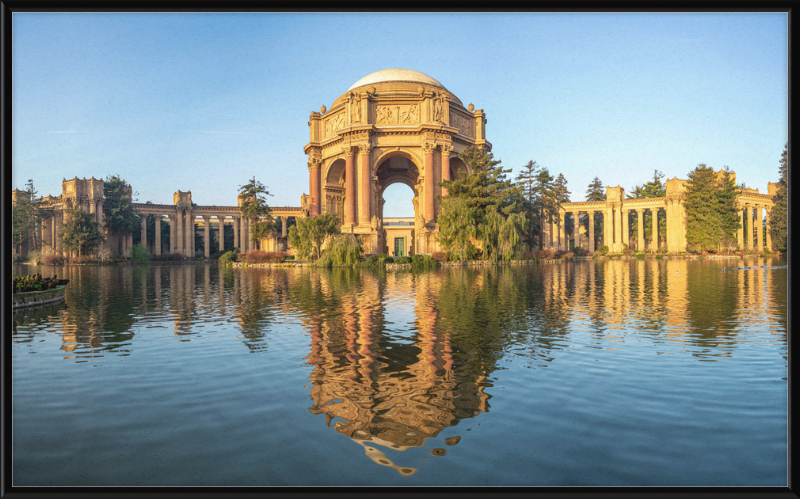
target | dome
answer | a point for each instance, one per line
(406, 75)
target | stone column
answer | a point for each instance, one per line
(207, 235)
(562, 231)
(57, 231)
(769, 229)
(221, 242)
(144, 230)
(349, 186)
(445, 166)
(365, 214)
(740, 230)
(608, 229)
(179, 240)
(626, 230)
(654, 212)
(157, 248)
(316, 195)
(618, 224)
(576, 229)
(748, 227)
(236, 241)
(251, 243)
(590, 214)
(760, 226)
(284, 221)
(640, 230)
(428, 211)
(188, 235)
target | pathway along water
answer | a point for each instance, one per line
(620, 372)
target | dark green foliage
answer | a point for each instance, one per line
(254, 206)
(228, 258)
(711, 212)
(24, 284)
(595, 192)
(80, 232)
(423, 261)
(140, 254)
(477, 206)
(118, 213)
(310, 233)
(780, 212)
(403, 260)
(25, 216)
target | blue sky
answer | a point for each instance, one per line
(204, 102)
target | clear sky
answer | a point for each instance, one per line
(206, 101)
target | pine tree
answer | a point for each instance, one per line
(483, 193)
(526, 180)
(710, 204)
(25, 217)
(547, 203)
(780, 212)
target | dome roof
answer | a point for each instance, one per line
(406, 75)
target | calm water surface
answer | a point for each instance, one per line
(658, 372)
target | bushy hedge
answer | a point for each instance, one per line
(376, 261)
(603, 250)
(139, 253)
(546, 254)
(264, 257)
(402, 259)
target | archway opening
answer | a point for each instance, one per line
(398, 199)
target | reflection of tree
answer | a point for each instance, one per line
(385, 391)
(259, 292)
(711, 307)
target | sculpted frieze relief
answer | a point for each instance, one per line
(397, 114)
(334, 123)
(462, 123)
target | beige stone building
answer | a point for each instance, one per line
(392, 126)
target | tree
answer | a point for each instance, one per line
(24, 217)
(254, 206)
(484, 191)
(118, 212)
(710, 204)
(526, 181)
(547, 202)
(309, 234)
(780, 212)
(562, 195)
(80, 232)
(457, 227)
(596, 192)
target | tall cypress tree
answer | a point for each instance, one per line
(711, 214)
(729, 221)
(780, 212)
(118, 213)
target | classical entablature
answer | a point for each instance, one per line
(394, 125)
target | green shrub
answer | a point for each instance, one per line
(603, 250)
(423, 261)
(17, 258)
(166, 257)
(402, 260)
(35, 257)
(228, 258)
(289, 257)
(344, 250)
(216, 255)
(139, 253)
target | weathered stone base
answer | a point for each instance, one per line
(36, 298)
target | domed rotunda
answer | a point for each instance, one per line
(394, 125)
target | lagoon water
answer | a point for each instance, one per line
(615, 372)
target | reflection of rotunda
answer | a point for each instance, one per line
(394, 125)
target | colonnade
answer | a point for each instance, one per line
(183, 227)
(617, 231)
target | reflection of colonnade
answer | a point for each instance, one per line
(624, 220)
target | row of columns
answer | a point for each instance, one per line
(614, 229)
(751, 213)
(182, 231)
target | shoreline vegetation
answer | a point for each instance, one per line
(262, 259)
